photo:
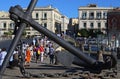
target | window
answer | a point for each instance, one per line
(84, 25)
(28, 33)
(37, 15)
(45, 25)
(12, 25)
(45, 15)
(91, 16)
(99, 25)
(91, 25)
(105, 25)
(4, 25)
(105, 15)
(84, 15)
(98, 15)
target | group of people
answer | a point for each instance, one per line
(37, 52)
(13, 60)
(33, 52)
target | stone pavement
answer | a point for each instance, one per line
(46, 68)
(36, 68)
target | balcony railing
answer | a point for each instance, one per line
(93, 18)
(43, 18)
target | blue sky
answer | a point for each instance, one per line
(66, 7)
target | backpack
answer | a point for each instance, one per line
(38, 51)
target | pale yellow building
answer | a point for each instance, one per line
(5, 23)
(73, 26)
(47, 16)
(74, 21)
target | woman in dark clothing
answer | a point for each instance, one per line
(51, 55)
(37, 53)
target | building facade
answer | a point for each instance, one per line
(113, 21)
(48, 17)
(93, 17)
(65, 23)
(51, 19)
(73, 25)
(5, 23)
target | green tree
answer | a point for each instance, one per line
(83, 32)
(24, 33)
(8, 33)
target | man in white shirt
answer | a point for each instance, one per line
(14, 59)
(2, 55)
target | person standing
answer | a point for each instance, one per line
(34, 52)
(24, 46)
(51, 55)
(2, 55)
(31, 49)
(34, 41)
(14, 59)
(37, 49)
(46, 51)
(28, 56)
(100, 56)
(41, 52)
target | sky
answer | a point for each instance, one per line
(68, 8)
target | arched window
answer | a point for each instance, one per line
(91, 25)
(37, 15)
(45, 15)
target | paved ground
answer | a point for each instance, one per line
(38, 68)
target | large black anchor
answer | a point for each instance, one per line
(25, 18)
(15, 17)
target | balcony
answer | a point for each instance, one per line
(43, 18)
(83, 18)
(93, 18)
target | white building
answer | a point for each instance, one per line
(5, 23)
(48, 17)
(93, 17)
(64, 24)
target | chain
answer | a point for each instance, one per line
(80, 74)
